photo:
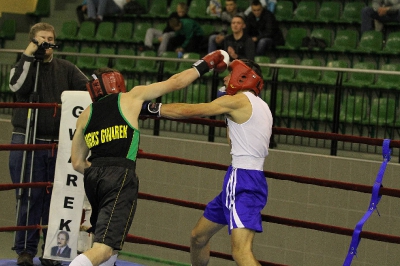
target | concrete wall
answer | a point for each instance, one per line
(278, 243)
(17, 6)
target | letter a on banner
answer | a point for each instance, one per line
(67, 201)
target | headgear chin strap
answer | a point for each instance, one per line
(243, 78)
(107, 83)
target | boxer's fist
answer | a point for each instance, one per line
(151, 109)
(217, 60)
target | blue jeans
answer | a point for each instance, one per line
(263, 45)
(212, 45)
(43, 171)
(101, 8)
(368, 15)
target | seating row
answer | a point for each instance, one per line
(320, 76)
(346, 41)
(324, 12)
(324, 76)
(124, 32)
(313, 108)
(92, 58)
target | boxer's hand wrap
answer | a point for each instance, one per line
(221, 91)
(151, 109)
(217, 60)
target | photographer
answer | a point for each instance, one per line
(54, 76)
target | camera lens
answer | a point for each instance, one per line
(46, 45)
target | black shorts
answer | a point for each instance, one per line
(111, 186)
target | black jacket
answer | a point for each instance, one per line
(266, 27)
(244, 47)
(54, 77)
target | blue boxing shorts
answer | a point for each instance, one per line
(239, 205)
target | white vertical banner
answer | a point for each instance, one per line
(67, 200)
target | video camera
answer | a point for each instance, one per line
(45, 45)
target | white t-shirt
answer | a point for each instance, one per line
(250, 140)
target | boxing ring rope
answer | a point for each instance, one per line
(215, 166)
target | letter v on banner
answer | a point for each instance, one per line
(68, 191)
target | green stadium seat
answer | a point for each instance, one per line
(125, 64)
(330, 77)
(370, 42)
(123, 32)
(196, 93)
(345, 41)
(298, 107)
(70, 49)
(392, 46)
(387, 81)
(69, 29)
(294, 38)
(144, 4)
(208, 29)
(284, 11)
(8, 30)
(286, 74)
(306, 11)
(86, 32)
(265, 70)
(197, 10)
(170, 66)
(352, 12)
(353, 109)
(323, 107)
(266, 96)
(157, 10)
(174, 4)
(186, 65)
(383, 114)
(105, 32)
(361, 79)
(104, 61)
(242, 5)
(309, 75)
(324, 34)
(131, 82)
(86, 62)
(147, 66)
(329, 12)
(139, 31)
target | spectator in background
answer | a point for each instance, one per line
(263, 28)
(214, 9)
(165, 35)
(215, 41)
(238, 44)
(81, 12)
(97, 9)
(55, 76)
(380, 12)
(189, 36)
(268, 4)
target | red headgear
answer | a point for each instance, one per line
(243, 78)
(107, 83)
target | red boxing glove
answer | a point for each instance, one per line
(217, 60)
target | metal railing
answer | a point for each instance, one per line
(336, 107)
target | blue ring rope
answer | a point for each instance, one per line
(375, 198)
